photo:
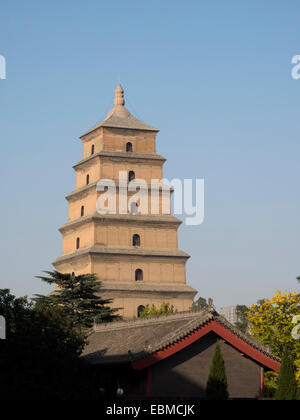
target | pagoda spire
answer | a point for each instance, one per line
(119, 96)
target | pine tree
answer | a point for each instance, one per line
(216, 388)
(287, 385)
(78, 297)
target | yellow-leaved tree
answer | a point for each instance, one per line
(271, 324)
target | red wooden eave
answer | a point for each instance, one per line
(222, 332)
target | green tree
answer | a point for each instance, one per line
(242, 319)
(287, 384)
(39, 359)
(78, 298)
(216, 388)
(200, 303)
(271, 323)
(165, 308)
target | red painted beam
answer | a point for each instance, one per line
(172, 349)
(220, 330)
(244, 347)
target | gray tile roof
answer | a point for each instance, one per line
(120, 117)
(119, 121)
(132, 340)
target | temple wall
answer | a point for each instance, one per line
(185, 373)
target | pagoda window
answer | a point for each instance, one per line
(136, 240)
(93, 149)
(138, 274)
(82, 211)
(134, 208)
(131, 176)
(87, 179)
(140, 309)
(129, 147)
(77, 243)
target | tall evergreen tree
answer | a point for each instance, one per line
(242, 320)
(287, 384)
(78, 297)
(216, 388)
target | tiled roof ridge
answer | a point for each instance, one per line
(198, 318)
(110, 326)
(246, 337)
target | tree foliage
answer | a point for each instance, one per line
(200, 303)
(165, 308)
(271, 324)
(78, 297)
(287, 384)
(216, 388)
(39, 359)
(242, 319)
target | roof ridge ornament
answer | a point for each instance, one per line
(119, 96)
(210, 307)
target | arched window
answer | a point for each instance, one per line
(131, 176)
(136, 240)
(140, 309)
(134, 208)
(93, 149)
(138, 274)
(77, 243)
(129, 147)
(87, 179)
(82, 211)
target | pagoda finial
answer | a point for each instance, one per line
(119, 96)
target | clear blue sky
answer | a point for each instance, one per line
(213, 76)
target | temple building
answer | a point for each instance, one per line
(134, 253)
(169, 356)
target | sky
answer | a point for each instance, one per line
(213, 76)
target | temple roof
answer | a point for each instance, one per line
(120, 117)
(136, 340)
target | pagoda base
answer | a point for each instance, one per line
(129, 297)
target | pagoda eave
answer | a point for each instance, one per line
(125, 218)
(123, 155)
(127, 252)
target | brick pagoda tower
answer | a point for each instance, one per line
(135, 255)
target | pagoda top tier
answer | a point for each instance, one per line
(120, 117)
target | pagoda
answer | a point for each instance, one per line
(135, 254)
